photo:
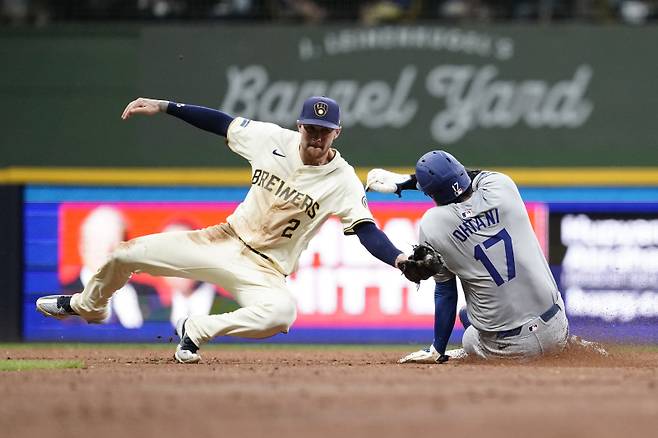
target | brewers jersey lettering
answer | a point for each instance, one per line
(488, 242)
(288, 201)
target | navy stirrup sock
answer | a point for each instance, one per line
(463, 317)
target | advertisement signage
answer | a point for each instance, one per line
(502, 96)
(608, 269)
(343, 293)
(602, 254)
(495, 96)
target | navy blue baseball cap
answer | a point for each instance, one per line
(321, 111)
(441, 177)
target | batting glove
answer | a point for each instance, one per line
(430, 355)
(384, 181)
(426, 355)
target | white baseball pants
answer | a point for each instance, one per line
(214, 255)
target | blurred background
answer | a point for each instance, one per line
(368, 12)
(560, 95)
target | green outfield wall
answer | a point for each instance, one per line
(500, 96)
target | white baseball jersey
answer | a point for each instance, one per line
(488, 242)
(288, 200)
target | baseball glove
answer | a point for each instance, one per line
(422, 264)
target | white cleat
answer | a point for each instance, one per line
(185, 356)
(186, 350)
(56, 306)
(456, 354)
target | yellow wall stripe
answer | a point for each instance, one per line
(524, 176)
(583, 176)
(125, 176)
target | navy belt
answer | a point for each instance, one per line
(550, 313)
(546, 316)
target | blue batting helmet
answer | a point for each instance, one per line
(441, 177)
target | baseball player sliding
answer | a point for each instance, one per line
(298, 181)
(483, 234)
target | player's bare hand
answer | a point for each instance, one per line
(144, 106)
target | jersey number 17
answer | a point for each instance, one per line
(481, 256)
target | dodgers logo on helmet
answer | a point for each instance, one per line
(320, 109)
(458, 190)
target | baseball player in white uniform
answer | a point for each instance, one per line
(298, 182)
(483, 234)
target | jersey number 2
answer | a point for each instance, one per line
(287, 232)
(509, 256)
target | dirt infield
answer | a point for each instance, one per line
(317, 392)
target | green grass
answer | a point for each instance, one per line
(38, 364)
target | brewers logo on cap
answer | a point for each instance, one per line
(320, 109)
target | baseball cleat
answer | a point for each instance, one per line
(56, 306)
(457, 353)
(185, 356)
(186, 350)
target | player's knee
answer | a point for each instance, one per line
(470, 341)
(463, 317)
(279, 316)
(124, 253)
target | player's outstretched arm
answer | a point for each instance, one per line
(385, 181)
(378, 244)
(144, 106)
(208, 119)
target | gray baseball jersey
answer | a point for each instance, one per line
(488, 242)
